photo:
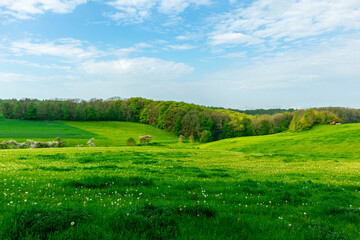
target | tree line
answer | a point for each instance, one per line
(260, 111)
(189, 120)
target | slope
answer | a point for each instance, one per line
(323, 141)
(74, 133)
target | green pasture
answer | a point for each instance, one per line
(287, 186)
(322, 142)
(105, 133)
(18, 129)
(116, 133)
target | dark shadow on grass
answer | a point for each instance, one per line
(39, 222)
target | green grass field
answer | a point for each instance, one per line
(74, 133)
(286, 186)
(322, 142)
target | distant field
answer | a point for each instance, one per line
(105, 133)
(17, 129)
(116, 133)
(322, 142)
(297, 186)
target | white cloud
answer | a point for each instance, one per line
(65, 48)
(233, 38)
(175, 7)
(6, 77)
(137, 69)
(320, 66)
(31, 64)
(136, 11)
(181, 47)
(25, 9)
(131, 11)
(273, 20)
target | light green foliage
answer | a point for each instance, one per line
(304, 120)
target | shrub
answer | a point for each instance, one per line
(60, 143)
(191, 139)
(131, 142)
(181, 139)
(39, 144)
(4, 145)
(145, 139)
(14, 144)
(90, 143)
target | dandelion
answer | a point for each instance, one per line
(72, 223)
(289, 224)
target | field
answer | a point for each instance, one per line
(74, 133)
(285, 186)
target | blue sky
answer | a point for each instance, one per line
(230, 53)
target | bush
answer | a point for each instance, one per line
(191, 139)
(181, 139)
(91, 143)
(60, 143)
(4, 145)
(145, 139)
(131, 142)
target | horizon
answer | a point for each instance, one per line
(243, 55)
(162, 100)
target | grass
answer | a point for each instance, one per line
(117, 133)
(322, 142)
(303, 188)
(74, 133)
(17, 129)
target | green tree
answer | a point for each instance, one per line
(206, 136)
(227, 131)
(31, 113)
(177, 127)
(91, 114)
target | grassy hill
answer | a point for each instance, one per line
(321, 142)
(285, 186)
(105, 133)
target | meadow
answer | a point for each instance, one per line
(107, 133)
(285, 186)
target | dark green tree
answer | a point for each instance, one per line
(206, 136)
(31, 113)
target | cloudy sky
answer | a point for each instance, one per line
(230, 53)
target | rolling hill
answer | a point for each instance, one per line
(105, 133)
(321, 142)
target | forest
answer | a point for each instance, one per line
(190, 120)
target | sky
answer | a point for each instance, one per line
(227, 53)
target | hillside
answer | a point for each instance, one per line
(105, 133)
(323, 141)
(189, 120)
